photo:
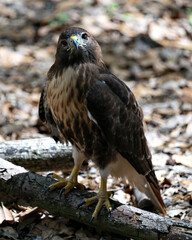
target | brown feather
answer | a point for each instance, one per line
(83, 103)
(158, 195)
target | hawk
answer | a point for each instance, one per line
(86, 105)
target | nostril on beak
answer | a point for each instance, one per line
(75, 41)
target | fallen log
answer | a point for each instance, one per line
(127, 221)
(40, 154)
(44, 154)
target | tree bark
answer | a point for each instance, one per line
(41, 154)
(44, 154)
(126, 221)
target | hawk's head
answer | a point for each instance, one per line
(76, 46)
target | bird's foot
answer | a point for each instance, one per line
(67, 184)
(102, 199)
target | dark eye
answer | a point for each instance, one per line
(85, 36)
(64, 43)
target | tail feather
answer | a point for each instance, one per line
(154, 193)
(157, 199)
(123, 169)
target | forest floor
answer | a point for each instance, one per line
(145, 43)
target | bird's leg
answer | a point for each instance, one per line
(67, 184)
(102, 199)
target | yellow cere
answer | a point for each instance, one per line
(73, 38)
(80, 44)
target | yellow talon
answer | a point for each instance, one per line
(108, 205)
(102, 198)
(91, 200)
(57, 177)
(59, 184)
(67, 184)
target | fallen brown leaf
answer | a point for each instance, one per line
(5, 214)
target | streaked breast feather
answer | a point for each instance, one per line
(68, 110)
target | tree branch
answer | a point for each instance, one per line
(127, 221)
(41, 154)
(44, 154)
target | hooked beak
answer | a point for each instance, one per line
(74, 40)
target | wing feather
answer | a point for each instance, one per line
(114, 107)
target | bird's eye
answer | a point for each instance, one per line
(64, 43)
(85, 36)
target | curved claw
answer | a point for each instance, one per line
(61, 192)
(46, 190)
(49, 174)
(91, 220)
(110, 211)
(81, 203)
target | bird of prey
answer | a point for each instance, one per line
(85, 104)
